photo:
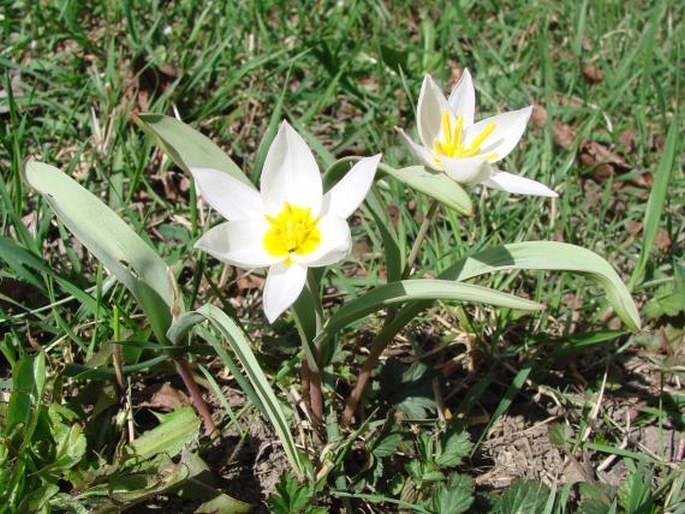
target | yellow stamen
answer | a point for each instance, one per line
(458, 129)
(478, 140)
(446, 128)
(450, 141)
(292, 231)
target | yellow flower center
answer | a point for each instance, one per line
(292, 231)
(450, 142)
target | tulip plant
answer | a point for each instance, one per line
(296, 225)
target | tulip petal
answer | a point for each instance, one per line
(230, 197)
(469, 171)
(432, 103)
(290, 174)
(336, 241)
(426, 156)
(504, 181)
(240, 243)
(348, 194)
(462, 100)
(509, 128)
(284, 283)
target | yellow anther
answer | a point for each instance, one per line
(450, 141)
(292, 231)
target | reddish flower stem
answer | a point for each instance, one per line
(183, 369)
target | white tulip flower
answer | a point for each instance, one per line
(290, 225)
(466, 151)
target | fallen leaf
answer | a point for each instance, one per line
(163, 397)
(247, 281)
(394, 213)
(658, 142)
(627, 139)
(604, 162)
(662, 240)
(593, 74)
(539, 115)
(564, 135)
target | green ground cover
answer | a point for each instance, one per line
(472, 408)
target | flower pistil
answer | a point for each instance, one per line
(293, 230)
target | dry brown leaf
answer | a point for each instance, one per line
(564, 135)
(658, 142)
(604, 162)
(394, 213)
(593, 74)
(539, 115)
(247, 281)
(627, 139)
(662, 240)
(163, 397)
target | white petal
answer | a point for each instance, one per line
(336, 241)
(504, 181)
(230, 197)
(348, 194)
(426, 156)
(290, 174)
(432, 103)
(284, 284)
(462, 100)
(509, 128)
(466, 170)
(239, 242)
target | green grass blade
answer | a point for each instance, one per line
(187, 147)
(180, 328)
(655, 203)
(111, 240)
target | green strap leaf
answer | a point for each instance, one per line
(130, 259)
(551, 255)
(434, 184)
(538, 255)
(419, 289)
(268, 403)
(187, 147)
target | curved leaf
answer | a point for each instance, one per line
(540, 255)
(434, 184)
(419, 289)
(268, 403)
(130, 259)
(551, 255)
(187, 147)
